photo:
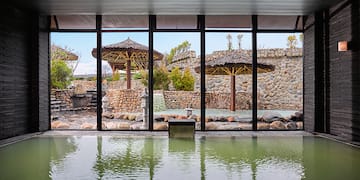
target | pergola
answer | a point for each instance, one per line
(127, 55)
(233, 64)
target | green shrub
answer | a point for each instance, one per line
(116, 76)
(182, 81)
(160, 78)
(60, 74)
(137, 76)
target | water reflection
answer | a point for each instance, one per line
(163, 158)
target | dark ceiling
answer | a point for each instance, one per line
(175, 7)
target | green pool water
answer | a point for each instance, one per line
(105, 157)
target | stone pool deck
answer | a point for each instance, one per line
(165, 133)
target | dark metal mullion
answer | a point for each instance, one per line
(98, 73)
(152, 24)
(254, 72)
(56, 22)
(297, 22)
(201, 19)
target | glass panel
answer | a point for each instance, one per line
(125, 95)
(280, 22)
(176, 81)
(228, 22)
(73, 81)
(125, 22)
(280, 87)
(76, 21)
(228, 81)
(176, 22)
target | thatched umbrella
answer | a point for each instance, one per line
(233, 64)
(126, 52)
(58, 53)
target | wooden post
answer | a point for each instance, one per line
(233, 93)
(128, 74)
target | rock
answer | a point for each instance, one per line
(271, 117)
(210, 126)
(299, 125)
(118, 116)
(198, 119)
(108, 115)
(181, 117)
(103, 125)
(192, 117)
(166, 118)
(54, 124)
(87, 126)
(111, 125)
(139, 118)
(299, 116)
(245, 126)
(158, 118)
(231, 119)
(123, 125)
(131, 117)
(277, 125)
(290, 125)
(263, 126)
(62, 125)
(160, 126)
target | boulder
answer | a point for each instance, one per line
(271, 116)
(54, 124)
(211, 126)
(263, 126)
(159, 118)
(139, 118)
(290, 125)
(231, 119)
(131, 117)
(87, 126)
(160, 126)
(123, 125)
(299, 125)
(62, 125)
(108, 115)
(277, 125)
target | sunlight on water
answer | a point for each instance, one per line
(103, 157)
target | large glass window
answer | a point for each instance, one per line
(73, 81)
(175, 79)
(280, 81)
(124, 72)
(228, 76)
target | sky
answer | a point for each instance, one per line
(83, 43)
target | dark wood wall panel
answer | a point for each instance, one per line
(341, 74)
(24, 71)
(15, 85)
(309, 74)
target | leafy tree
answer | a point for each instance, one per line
(60, 74)
(116, 76)
(292, 41)
(181, 48)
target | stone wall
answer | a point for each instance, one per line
(213, 100)
(280, 89)
(125, 100)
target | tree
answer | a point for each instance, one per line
(292, 41)
(175, 77)
(239, 36)
(229, 38)
(60, 74)
(181, 48)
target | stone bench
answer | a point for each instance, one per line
(181, 128)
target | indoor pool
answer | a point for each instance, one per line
(106, 157)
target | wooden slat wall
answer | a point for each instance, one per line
(309, 74)
(21, 83)
(344, 73)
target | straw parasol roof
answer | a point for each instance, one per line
(117, 54)
(234, 64)
(59, 53)
(127, 55)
